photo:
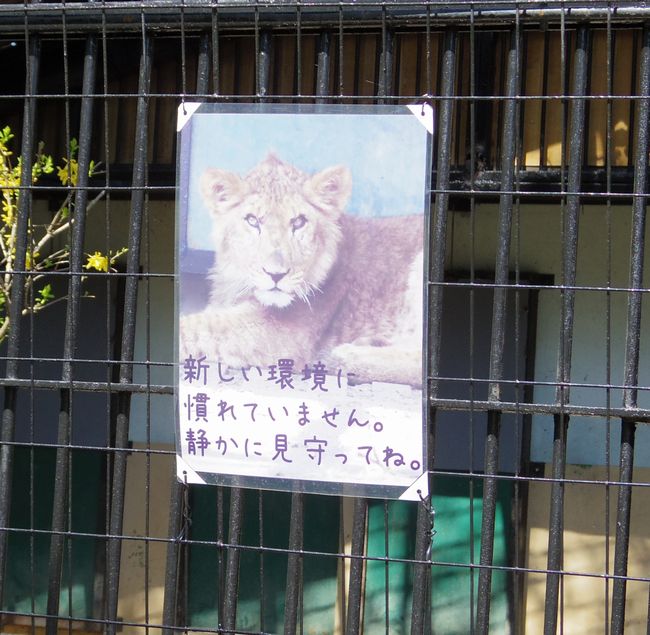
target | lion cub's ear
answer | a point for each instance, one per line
(221, 190)
(330, 189)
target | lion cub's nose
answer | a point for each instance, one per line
(276, 276)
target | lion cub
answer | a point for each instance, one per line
(296, 277)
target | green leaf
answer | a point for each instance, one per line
(45, 295)
(48, 164)
(6, 135)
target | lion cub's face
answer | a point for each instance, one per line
(276, 231)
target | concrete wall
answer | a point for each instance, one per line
(590, 512)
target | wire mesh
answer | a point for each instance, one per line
(539, 459)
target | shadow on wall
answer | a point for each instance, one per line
(586, 548)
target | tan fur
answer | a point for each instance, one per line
(295, 277)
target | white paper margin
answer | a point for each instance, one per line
(424, 114)
(185, 112)
(418, 490)
(185, 474)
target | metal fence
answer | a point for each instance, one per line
(538, 388)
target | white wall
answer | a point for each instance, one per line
(537, 249)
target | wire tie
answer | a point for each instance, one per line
(432, 518)
(426, 99)
(187, 521)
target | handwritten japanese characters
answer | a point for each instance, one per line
(287, 422)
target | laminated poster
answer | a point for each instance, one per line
(300, 267)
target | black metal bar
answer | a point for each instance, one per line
(17, 299)
(293, 594)
(556, 524)
(228, 614)
(641, 415)
(570, 244)
(437, 245)
(260, 528)
(263, 63)
(60, 497)
(633, 338)
(487, 522)
(323, 68)
(501, 277)
(203, 66)
(128, 339)
(637, 243)
(355, 593)
(628, 429)
(221, 539)
(178, 489)
(173, 561)
(421, 618)
(385, 65)
(569, 262)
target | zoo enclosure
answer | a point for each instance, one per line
(536, 337)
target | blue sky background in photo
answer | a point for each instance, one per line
(386, 153)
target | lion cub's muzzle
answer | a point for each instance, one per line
(276, 276)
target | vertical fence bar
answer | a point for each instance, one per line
(178, 489)
(385, 64)
(569, 262)
(421, 617)
(263, 63)
(128, 338)
(60, 497)
(623, 509)
(33, 46)
(203, 67)
(633, 338)
(173, 560)
(323, 68)
(508, 150)
(360, 516)
(294, 564)
(228, 612)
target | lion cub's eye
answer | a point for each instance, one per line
(252, 220)
(298, 222)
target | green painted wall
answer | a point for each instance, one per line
(31, 508)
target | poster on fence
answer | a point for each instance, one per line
(300, 263)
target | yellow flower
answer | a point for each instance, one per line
(97, 261)
(68, 172)
(8, 209)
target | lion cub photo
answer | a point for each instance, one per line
(296, 276)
